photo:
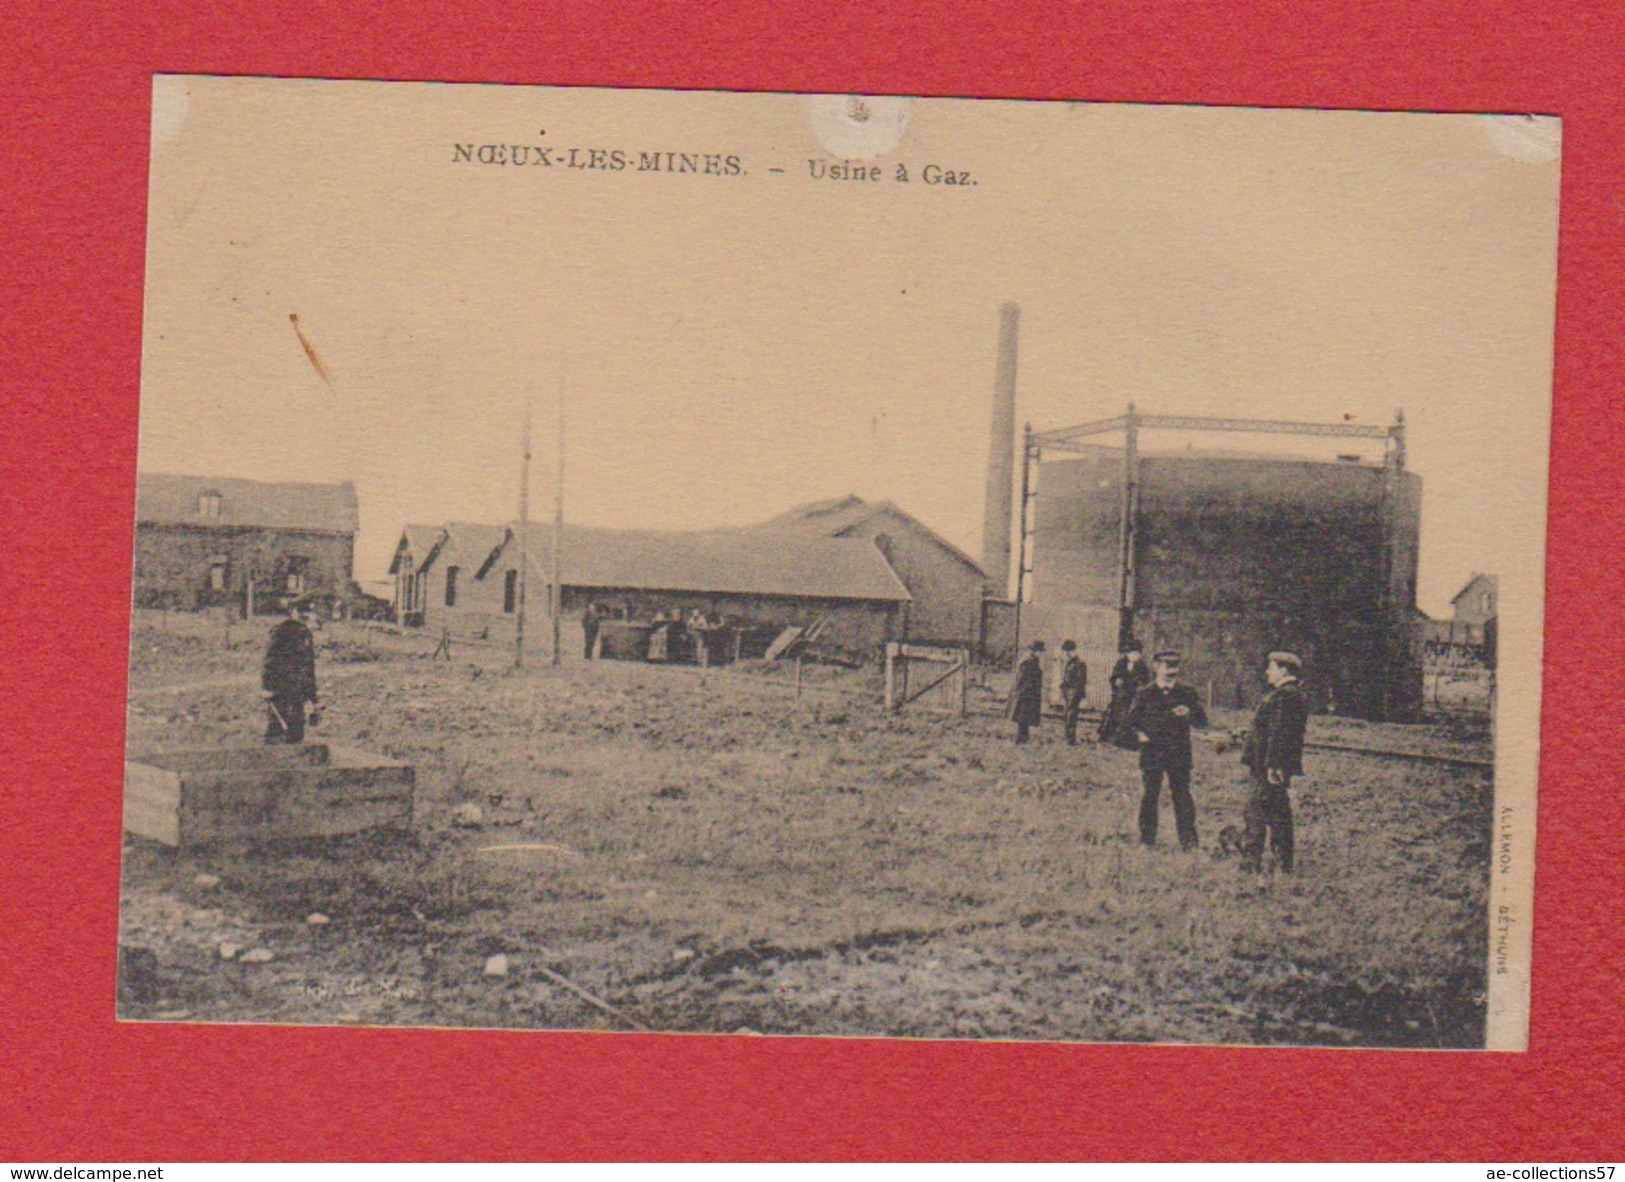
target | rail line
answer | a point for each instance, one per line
(1487, 765)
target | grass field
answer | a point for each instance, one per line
(707, 852)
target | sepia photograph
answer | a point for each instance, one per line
(833, 565)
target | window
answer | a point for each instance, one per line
(296, 565)
(451, 586)
(219, 568)
(208, 505)
(510, 591)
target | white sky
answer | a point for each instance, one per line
(730, 346)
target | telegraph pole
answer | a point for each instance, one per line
(1126, 557)
(524, 529)
(556, 593)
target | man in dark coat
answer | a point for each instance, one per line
(1027, 696)
(1160, 721)
(1130, 675)
(1074, 684)
(1273, 753)
(288, 677)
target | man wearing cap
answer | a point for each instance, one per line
(1160, 721)
(288, 677)
(1074, 684)
(1027, 697)
(1273, 754)
(1129, 676)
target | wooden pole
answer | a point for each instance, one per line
(1125, 567)
(524, 530)
(555, 597)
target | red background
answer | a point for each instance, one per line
(76, 1086)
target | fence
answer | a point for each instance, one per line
(927, 677)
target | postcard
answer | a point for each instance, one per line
(834, 565)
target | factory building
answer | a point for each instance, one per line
(1232, 556)
(947, 587)
(1223, 555)
(465, 578)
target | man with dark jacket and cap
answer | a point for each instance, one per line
(1074, 684)
(1273, 753)
(288, 677)
(1027, 696)
(1160, 721)
(1128, 677)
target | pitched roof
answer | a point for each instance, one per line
(471, 544)
(830, 516)
(166, 499)
(422, 541)
(1472, 582)
(739, 562)
(838, 516)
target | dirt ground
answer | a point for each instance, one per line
(705, 851)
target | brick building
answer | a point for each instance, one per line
(204, 541)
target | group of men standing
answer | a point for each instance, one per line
(1153, 713)
(1027, 701)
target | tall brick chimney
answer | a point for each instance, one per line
(1001, 458)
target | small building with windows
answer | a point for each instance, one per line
(852, 572)
(1468, 637)
(208, 541)
(464, 578)
(1476, 604)
(434, 568)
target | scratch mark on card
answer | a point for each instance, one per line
(310, 351)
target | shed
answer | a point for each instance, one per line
(751, 579)
(947, 587)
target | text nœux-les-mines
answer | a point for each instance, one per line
(598, 159)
